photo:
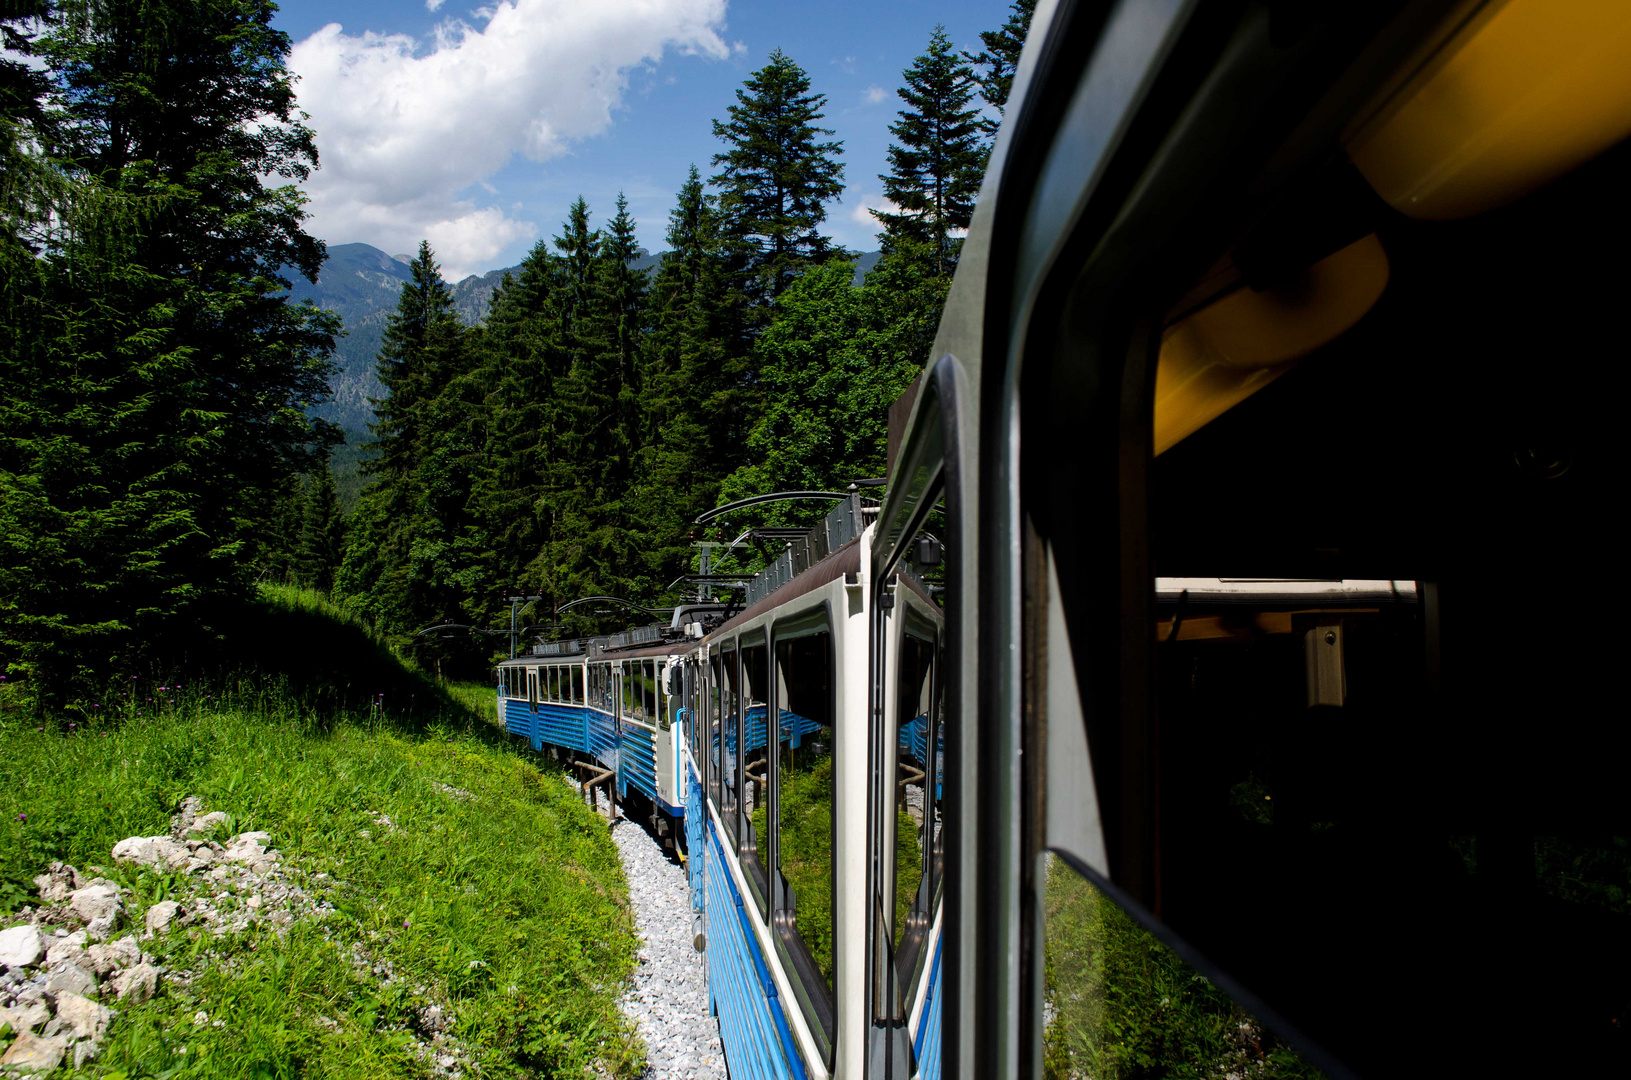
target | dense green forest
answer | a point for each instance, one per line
(158, 453)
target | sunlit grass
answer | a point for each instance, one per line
(508, 907)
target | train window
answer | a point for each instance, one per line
(729, 761)
(1117, 1002)
(669, 713)
(648, 689)
(755, 769)
(805, 838)
(716, 729)
(576, 685)
(916, 809)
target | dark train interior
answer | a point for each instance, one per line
(1432, 870)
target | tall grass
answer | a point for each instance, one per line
(493, 890)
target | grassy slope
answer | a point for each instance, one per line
(1126, 1006)
(508, 907)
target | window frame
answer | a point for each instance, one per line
(816, 997)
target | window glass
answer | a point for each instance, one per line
(756, 765)
(730, 757)
(805, 841)
(915, 811)
(576, 685)
(1118, 1002)
(672, 702)
(716, 729)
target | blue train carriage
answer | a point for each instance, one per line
(780, 841)
(604, 704)
(634, 711)
(542, 696)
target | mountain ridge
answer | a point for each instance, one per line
(361, 284)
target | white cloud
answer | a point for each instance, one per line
(861, 214)
(874, 95)
(405, 132)
(432, 5)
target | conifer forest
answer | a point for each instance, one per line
(159, 452)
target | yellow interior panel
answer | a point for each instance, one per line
(1525, 91)
(1222, 354)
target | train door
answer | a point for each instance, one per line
(663, 743)
(615, 675)
(532, 689)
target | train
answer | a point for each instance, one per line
(1223, 683)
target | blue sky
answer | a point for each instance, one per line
(477, 127)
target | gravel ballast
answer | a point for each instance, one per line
(668, 995)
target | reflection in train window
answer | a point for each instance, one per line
(1117, 1002)
(729, 775)
(914, 806)
(755, 768)
(805, 839)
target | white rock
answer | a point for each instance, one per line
(86, 1050)
(124, 953)
(246, 847)
(95, 902)
(31, 1053)
(70, 979)
(255, 902)
(161, 915)
(25, 1016)
(87, 1019)
(156, 852)
(137, 983)
(133, 849)
(207, 823)
(21, 946)
(69, 950)
(57, 882)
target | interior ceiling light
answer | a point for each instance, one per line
(1521, 92)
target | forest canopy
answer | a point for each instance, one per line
(161, 457)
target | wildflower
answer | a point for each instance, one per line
(23, 818)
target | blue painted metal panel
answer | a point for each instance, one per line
(926, 1046)
(639, 760)
(518, 717)
(602, 737)
(752, 1025)
(564, 726)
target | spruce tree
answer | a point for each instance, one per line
(397, 571)
(937, 159)
(416, 353)
(169, 377)
(524, 372)
(777, 175)
(692, 427)
(1000, 59)
(322, 533)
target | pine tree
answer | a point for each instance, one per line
(937, 160)
(834, 361)
(1001, 59)
(169, 377)
(523, 370)
(411, 525)
(777, 176)
(322, 534)
(416, 353)
(692, 426)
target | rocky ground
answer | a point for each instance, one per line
(668, 995)
(65, 960)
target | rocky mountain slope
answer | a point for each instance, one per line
(362, 284)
